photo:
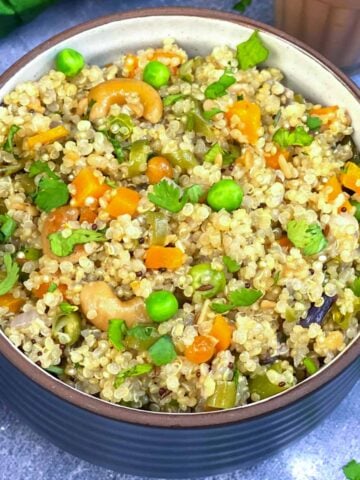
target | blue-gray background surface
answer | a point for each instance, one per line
(26, 456)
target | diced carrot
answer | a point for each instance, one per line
(47, 137)
(201, 350)
(351, 177)
(164, 257)
(249, 119)
(158, 168)
(11, 303)
(167, 58)
(334, 190)
(44, 288)
(131, 63)
(88, 188)
(222, 331)
(318, 111)
(125, 201)
(87, 214)
(284, 242)
(272, 161)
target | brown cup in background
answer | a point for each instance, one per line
(330, 26)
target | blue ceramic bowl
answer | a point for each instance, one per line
(178, 445)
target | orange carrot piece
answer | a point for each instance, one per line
(44, 287)
(125, 201)
(318, 111)
(47, 137)
(159, 168)
(164, 257)
(334, 190)
(272, 161)
(131, 63)
(284, 242)
(351, 177)
(201, 350)
(87, 214)
(249, 119)
(11, 303)
(87, 188)
(222, 331)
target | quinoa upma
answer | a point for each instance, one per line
(177, 234)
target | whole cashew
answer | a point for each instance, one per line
(99, 297)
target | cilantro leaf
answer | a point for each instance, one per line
(193, 194)
(7, 227)
(136, 371)
(231, 265)
(219, 88)
(168, 195)
(242, 5)
(52, 287)
(220, 307)
(251, 52)
(9, 143)
(118, 150)
(41, 167)
(62, 247)
(212, 153)
(313, 123)
(171, 99)
(209, 114)
(66, 307)
(298, 137)
(12, 274)
(352, 470)
(308, 237)
(243, 297)
(52, 192)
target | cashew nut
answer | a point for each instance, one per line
(113, 91)
(99, 298)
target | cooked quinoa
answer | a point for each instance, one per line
(221, 186)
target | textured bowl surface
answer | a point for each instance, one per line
(178, 445)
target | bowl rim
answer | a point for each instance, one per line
(160, 419)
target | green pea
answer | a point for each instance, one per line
(69, 324)
(225, 194)
(69, 61)
(161, 306)
(156, 74)
(207, 281)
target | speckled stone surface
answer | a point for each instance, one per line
(26, 456)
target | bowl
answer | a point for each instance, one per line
(161, 444)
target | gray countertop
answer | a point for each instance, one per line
(26, 456)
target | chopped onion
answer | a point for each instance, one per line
(23, 319)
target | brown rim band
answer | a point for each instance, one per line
(186, 420)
